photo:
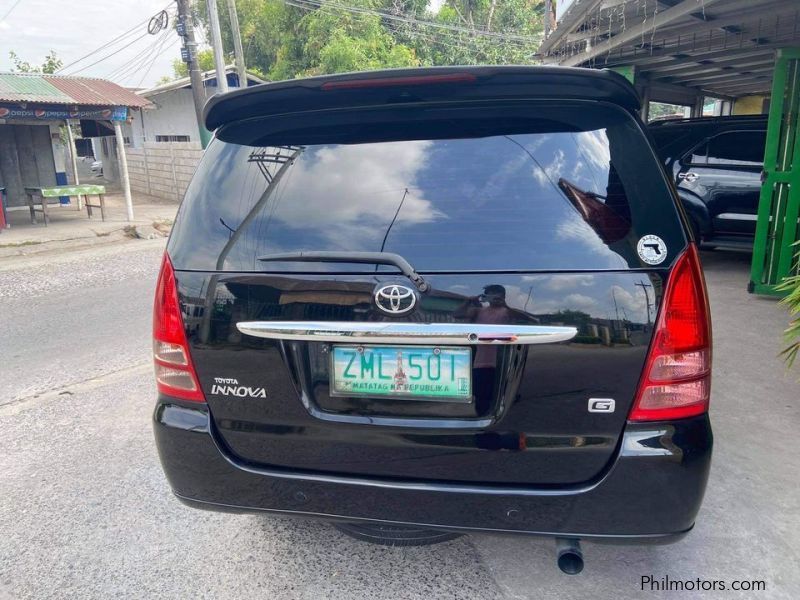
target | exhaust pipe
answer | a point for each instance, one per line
(569, 555)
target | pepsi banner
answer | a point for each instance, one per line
(9, 112)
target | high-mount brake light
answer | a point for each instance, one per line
(381, 82)
(676, 382)
(175, 374)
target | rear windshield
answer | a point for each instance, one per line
(533, 187)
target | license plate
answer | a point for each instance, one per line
(411, 372)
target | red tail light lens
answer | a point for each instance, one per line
(175, 374)
(382, 82)
(676, 382)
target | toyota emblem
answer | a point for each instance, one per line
(395, 299)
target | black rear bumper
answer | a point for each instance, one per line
(650, 494)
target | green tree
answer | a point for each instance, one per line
(51, 64)
(479, 32)
(205, 58)
(337, 43)
(791, 285)
(284, 42)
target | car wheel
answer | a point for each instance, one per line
(394, 535)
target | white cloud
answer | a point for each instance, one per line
(549, 174)
(634, 306)
(579, 302)
(364, 184)
(560, 283)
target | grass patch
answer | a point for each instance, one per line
(21, 244)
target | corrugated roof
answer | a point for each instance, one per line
(58, 89)
(185, 82)
(14, 88)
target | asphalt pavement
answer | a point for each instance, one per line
(87, 513)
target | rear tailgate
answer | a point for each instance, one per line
(528, 216)
(529, 422)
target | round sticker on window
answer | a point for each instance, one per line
(652, 249)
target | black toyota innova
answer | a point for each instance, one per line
(426, 302)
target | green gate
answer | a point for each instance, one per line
(774, 256)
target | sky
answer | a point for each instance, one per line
(74, 28)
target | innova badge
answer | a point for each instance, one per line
(395, 299)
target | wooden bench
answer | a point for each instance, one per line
(41, 196)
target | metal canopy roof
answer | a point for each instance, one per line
(185, 82)
(723, 48)
(55, 89)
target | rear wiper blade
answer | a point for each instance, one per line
(370, 258)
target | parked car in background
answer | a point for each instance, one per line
(716, 164)
(426, 302)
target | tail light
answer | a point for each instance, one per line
(381, 82)
(175, 374)
(676, 382)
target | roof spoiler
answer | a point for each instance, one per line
(434, 84)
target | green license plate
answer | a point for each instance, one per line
(412, 372)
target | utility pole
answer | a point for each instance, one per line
(216, 43)
(123, 169)
(73, 160)
(238, 51)
(548, 18)
(644, 287)
(185, 29)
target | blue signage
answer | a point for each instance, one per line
(9, 112)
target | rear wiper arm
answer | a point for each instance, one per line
(370, 258)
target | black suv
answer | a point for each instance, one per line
(433, 301)
(716, 164)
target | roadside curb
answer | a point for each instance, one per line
(54, 254)
(126, 233)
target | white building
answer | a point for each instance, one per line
(172, 118)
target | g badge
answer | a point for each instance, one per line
(601, 405)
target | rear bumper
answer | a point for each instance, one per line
(650, 494)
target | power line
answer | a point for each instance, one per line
(115, 52)
(138, 60)
(456, 42)
(106, 45)
(332, 6)
(10, 10)
(159, 52)
(107, 56)
(111, 42)
(129, 65)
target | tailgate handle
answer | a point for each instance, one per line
(473, 334)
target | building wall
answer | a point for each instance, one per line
(173, 115)
(136, 128)
(163, 169)
(26, 159)
(105, 150)
(749, 105)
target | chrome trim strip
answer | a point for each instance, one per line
(737, 217)
(382, 332)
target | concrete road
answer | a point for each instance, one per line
(86, 512)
